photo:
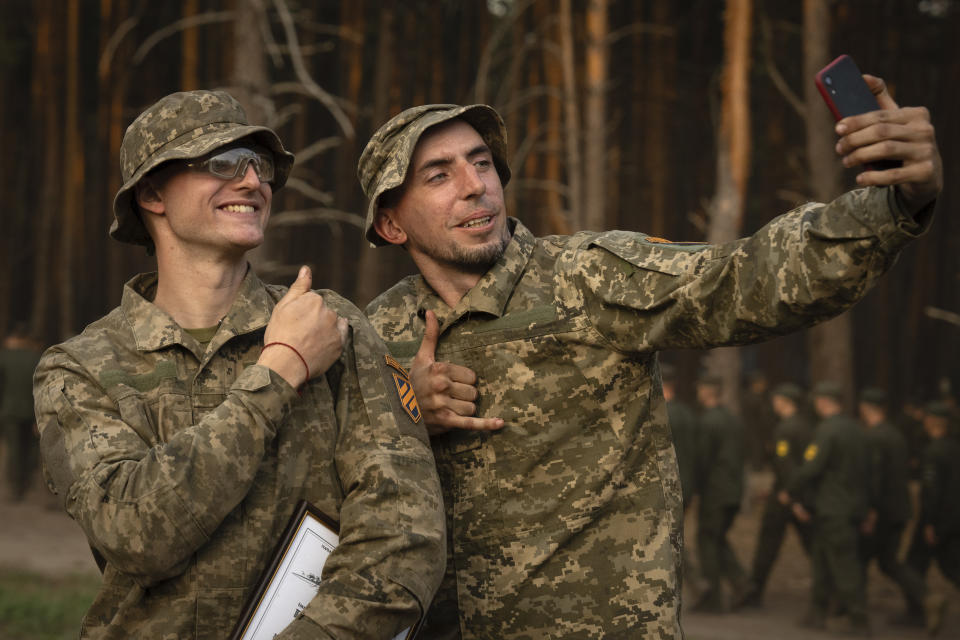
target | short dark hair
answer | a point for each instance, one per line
(390, 198)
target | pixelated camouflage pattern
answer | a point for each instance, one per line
(183, 126)
(384, 161)
(182, 464)
(567, 522)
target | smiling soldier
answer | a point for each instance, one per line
(182, 429)
(534, 360)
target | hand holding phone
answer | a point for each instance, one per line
(869, 136)
(846, 93)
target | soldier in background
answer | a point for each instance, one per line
(836, 472)
(758, 420)
(791, 437)
(720, 461)
(18, 358)
(910, 424)
(938, 533)
(890, 509)
(683, 428)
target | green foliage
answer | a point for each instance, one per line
(35, 607)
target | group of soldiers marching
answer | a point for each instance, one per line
(842, 482)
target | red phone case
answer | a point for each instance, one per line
(846, 93)
(843, 89)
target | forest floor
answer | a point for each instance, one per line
(38, 538)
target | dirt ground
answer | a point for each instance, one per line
(36, 535)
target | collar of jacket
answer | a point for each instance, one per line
(153, 328)
(492, 293)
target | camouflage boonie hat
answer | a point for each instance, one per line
(788, 390)
(183, 126)
(384, 161)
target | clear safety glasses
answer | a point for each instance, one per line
(233, 162)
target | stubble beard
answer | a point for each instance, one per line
(474, 259)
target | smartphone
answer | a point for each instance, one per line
(846, 93)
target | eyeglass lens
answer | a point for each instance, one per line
(233, 162)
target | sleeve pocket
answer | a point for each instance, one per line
(654, 254)
(134, 412)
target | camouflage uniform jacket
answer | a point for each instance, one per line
(183, 464)
(567, 522)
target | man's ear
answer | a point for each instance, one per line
(385, 223)
(148, 197)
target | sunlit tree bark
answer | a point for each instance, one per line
(656, 131)
(190, 61)
(595, 120)
(557, 217)
(733, 165)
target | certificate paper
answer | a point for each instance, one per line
(293, 576)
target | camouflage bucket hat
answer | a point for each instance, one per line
(384, 161)
(183, 126)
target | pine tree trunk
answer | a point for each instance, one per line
(830, 344)
(71, 229)
(44, 92)
(352, 43)
(657, 143)
(595, 120)
(114, 86)
(733, 166)
(371, 261)
(571, 117)
(557, 219)
(190, 59)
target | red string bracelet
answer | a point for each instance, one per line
(284, 344)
